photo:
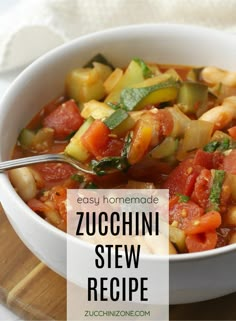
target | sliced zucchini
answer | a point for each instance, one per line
(151, 91)
(116, 118)
(147, 72)
(193, 98)
(194, 74)
(75, 148)
(197, 135)
(39, 141)
(96, 109)
(43, 139)
(177, 237)
(132, 75)
(26, 137)
(181, 121)
(167, 148)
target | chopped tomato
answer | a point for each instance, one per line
(202, 188)
(182, 179)
(96, 138)
(65, 119)
(218, 159)
(207, 222)
(203, 159)
(183, 212)
(208, 160)
(166, 121)
(55, 172)
(229, 162)
(201, 242)
(232, 132)
(114, 148)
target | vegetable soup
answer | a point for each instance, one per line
(161, 126)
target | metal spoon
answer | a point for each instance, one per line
(45, 158)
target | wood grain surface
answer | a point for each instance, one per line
(34, 292)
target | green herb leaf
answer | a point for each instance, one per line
(127, 144)
(147, 73)
(100, 167)
(216, 188)
(222, 145)
(211, 147)
(183, 198)
(91, 185)
(77, 178)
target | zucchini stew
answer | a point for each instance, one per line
(161, 126)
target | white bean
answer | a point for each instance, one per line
(213, 76)
(23, 181)
(221, 115)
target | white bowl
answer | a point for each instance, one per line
(193, 277)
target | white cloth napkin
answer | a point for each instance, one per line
(29, 28)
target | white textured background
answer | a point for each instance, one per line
(32, 27)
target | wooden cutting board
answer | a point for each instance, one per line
(34, 292)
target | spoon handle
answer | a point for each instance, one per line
(25, 161)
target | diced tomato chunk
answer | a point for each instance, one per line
(207, 222)
(65, 119)
(96, 138)
(182, 179)
(229, 163)
(55, 172)
(208, 160)
(203, 159)
(202, 188)
(166, 121)
(114, 148)
(201, 242)
(183, 212)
